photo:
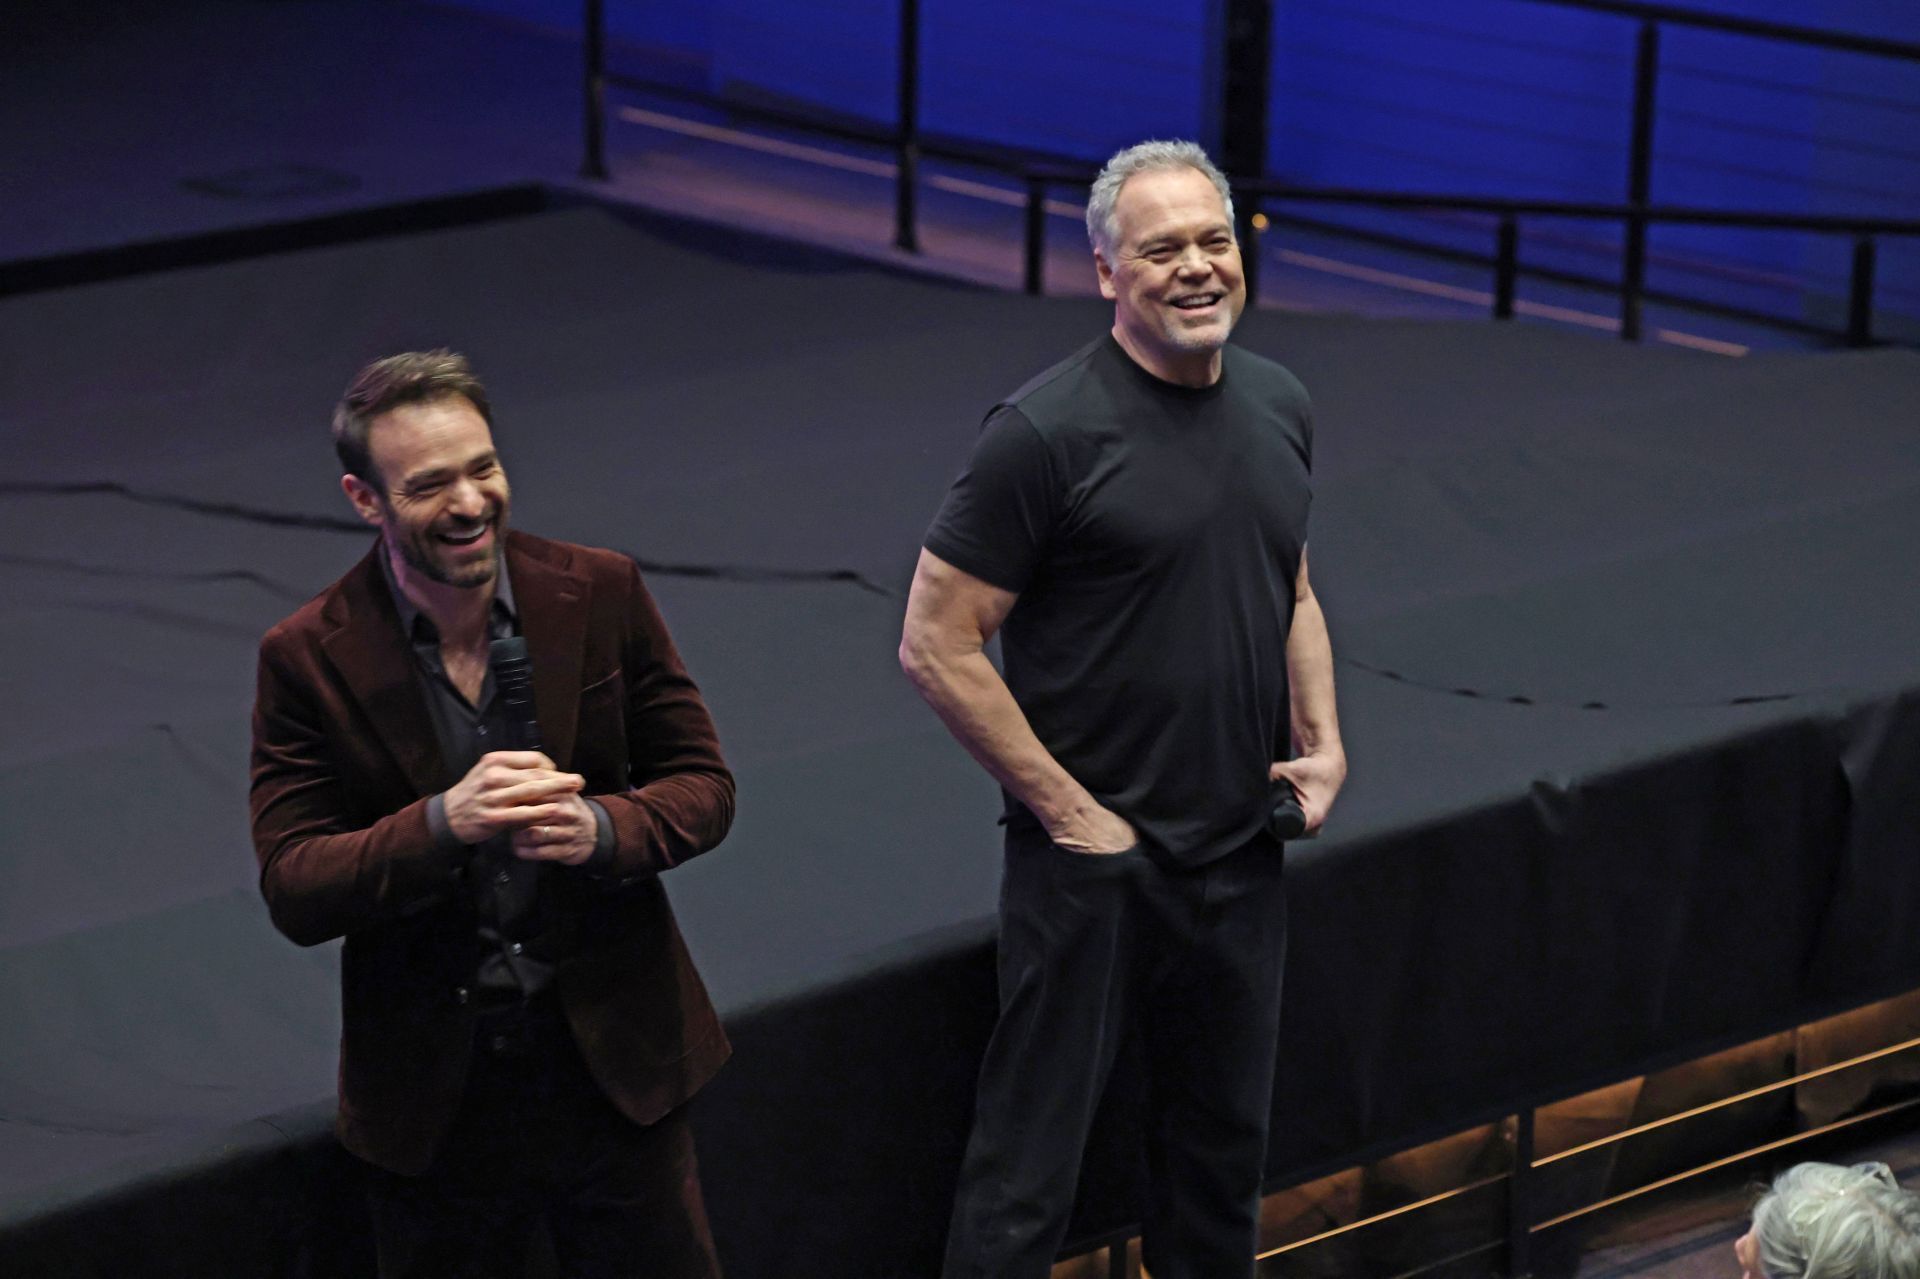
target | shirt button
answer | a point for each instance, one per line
(502, 877)
(499, 1042)
(515, 949)
(460, 994)
(483, 730)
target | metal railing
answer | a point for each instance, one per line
(1506, 252)
(1523, 1222)
(1040, 173)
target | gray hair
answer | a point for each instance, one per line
(1144, 157)
(1822, 1221)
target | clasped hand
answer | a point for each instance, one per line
(525, 795)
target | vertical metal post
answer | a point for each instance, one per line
(1633, 275)
(1506, 266)
(1238, 103)
(906, 234)
(1244, 212)
(1239, 87)
(1860, 296)
(1035, 274)
(1519, 1210)
(593, 33)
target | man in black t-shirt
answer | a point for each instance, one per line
(1136, 516)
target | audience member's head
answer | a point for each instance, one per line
(1822, 1221)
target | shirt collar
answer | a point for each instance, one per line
(502, 618)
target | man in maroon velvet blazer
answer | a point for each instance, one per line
(522, 1024)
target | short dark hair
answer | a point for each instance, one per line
(412, 377)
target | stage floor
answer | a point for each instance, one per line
(1629, 646)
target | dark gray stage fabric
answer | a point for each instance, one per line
(1630, 676)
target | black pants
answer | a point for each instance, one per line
(1089, 946)
(536, 1140)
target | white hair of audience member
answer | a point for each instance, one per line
(1144, 157)
(1823, 1221)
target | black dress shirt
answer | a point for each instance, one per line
(514, 967)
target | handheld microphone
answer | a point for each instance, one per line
(513, 685)
(1287, 820)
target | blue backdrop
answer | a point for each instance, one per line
(1491, 96)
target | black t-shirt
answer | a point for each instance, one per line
(1152, 533)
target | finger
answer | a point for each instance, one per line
(529, 842)
(562, 850)
(565, 783)
(519, 759)
(528, 776)
(543, 790)
(520, 818)
(495, 780)
(563, 831)
(1316, 810)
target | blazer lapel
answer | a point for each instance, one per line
(553, 609)
(374, 661)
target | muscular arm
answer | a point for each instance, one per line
(950, 617)
(1320, 764)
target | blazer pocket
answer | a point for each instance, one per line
(600, 740)
(609, 680)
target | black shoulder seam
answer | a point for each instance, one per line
(1049, 375)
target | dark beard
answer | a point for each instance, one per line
(485, 571)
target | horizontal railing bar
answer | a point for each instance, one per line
(1388, 1215)
(1837, 224)
(1789, 32)
(1734, 1100)
(1838, 1125)
(1013, 163)
(1553, 275)
(844, 130)
(1274, 189)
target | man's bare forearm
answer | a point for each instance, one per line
(1319, 767)
(1315, 717)
(971, 699)
(950, 617)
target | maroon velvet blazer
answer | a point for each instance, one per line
(344, 759)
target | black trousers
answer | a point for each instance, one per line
(1092, 946)
(535, 1140)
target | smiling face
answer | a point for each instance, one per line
(1173, 273)
(438, 495)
